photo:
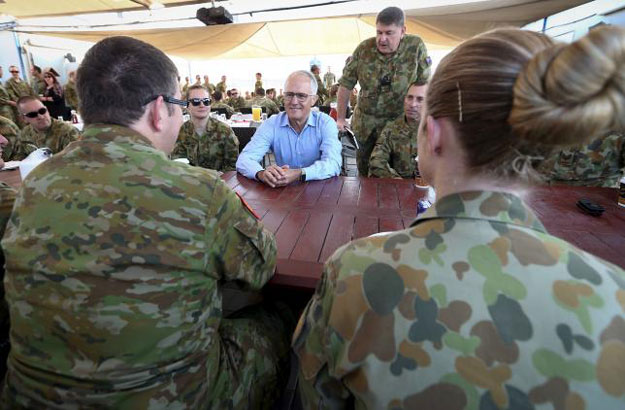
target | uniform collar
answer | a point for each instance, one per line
(113, 133)
(496, 207)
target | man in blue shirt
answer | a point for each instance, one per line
(305, 143)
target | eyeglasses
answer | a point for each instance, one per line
(169, 100)
(197, 101)
(301, 97)
(34, 114)
(14, 72)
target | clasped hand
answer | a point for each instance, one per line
(276, 176)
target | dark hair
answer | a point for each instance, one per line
(260, 92)
(217, 96)
(271, 90)
(195, 87)
(391, 15)
(259, 74)
(313, 68)
(118, 75)
(37, 68)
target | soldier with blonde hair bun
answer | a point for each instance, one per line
(476, 305)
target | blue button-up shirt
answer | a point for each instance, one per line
(316, 149)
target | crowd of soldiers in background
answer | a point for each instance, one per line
(232, 100)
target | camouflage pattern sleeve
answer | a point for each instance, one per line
(350, 71)
(7, 198)
(312, 342)
(11, 132)
(379, 165)
(246, 251)
(424, 63)
(231, 151)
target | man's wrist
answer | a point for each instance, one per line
(259, 175)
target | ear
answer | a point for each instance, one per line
(155, 113)
(433, 136)
(403, 31)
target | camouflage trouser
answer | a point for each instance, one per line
(364, 152)
(255, 346)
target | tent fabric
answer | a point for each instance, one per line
(47, 8)
(440, 28)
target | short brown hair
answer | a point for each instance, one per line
(389, 16)
(195, 87)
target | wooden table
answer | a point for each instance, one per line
(311, 220)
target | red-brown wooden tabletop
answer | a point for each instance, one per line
(311, 220)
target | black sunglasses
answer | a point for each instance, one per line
(34, 114)
(168, 99)
(197, 101)
(14, 72)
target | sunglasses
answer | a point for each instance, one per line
(168, 100)
(34, 114)
(14, 72)
(197, 101)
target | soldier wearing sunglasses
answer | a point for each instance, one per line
(205, 141)
(42, 130)
(16, 88)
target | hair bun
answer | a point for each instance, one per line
(569, 93)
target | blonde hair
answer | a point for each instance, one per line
(515, 95)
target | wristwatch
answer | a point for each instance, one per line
(302, 177)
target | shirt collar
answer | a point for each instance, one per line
(498, 207)
(284, 120)
(113, 132)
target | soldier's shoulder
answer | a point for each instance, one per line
(6, 123)
(219, 126)
(62, 126)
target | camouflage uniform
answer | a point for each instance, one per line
(39, 86)
(474, 306)
(329, 79)
(115, 260)
(71, 96)
(270, 107)
(7, 198)
(599, 163)
(6, 109)
(220, 104)
(217, 149)
(237, 103)
(258, 84)
(210, 87)
(16, 90)
(221, 86)
(379, 104)
(11, 132)
(322, 92)
(395, 151)
(56, 137)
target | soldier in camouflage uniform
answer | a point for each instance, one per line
(271, 94)
(236, 101)
(476, 306)
(261, 100)
(39, 85)
(6, 103)
(207, 84)
(205, 141)
(71, 96)
(16, 88)
(600, 163)
(322, 91)
(395, 152)
(11, 132)
(259, 81)
(185, 87)
(218, 103)
(7, 198)
(384, 67)
(42, 131)
(221, 86)
(329, 78)
(116, 256)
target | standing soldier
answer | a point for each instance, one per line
(259, 81)
(221, 86)
(17, 89)
(206, 142)
(322, 92)
(384, 66)
(71, 96)
(395, 152)
(329, 78)
(39, 85)
(185, 87)
(207, 84)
